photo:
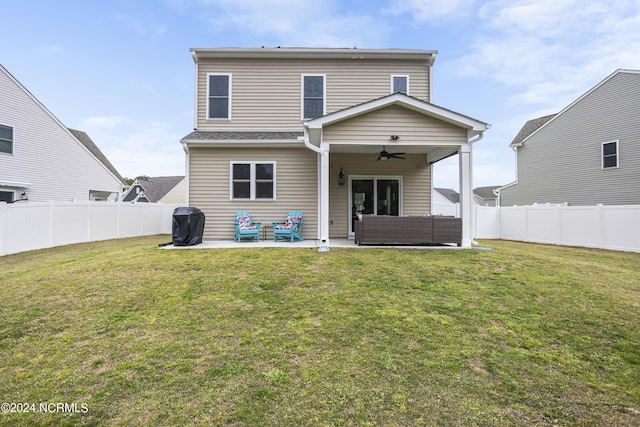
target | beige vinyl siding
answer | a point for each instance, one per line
(266, 93)
(562, 162)
(410, 126)
(296, 188)
(416, 184)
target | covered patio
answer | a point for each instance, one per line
(359, 173)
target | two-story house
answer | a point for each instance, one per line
(587, 154)
(41, 159)
(330, 132)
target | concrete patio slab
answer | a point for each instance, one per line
(314, 244)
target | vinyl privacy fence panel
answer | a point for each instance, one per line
(30, 226)
(602, 226)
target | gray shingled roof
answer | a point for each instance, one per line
(530, 127)
(93, 148)
(241, 136)
(451, 195)
(157, 187)
(486, 192)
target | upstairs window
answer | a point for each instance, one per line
(313, 96)
(253, 181)
(610, 154)
(400, 84)
(219, 96)
(6, 139)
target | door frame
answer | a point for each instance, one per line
(350, 231)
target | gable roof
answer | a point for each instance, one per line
(450, 194)
(82, 138)
(530, 127)
(486, 192)
(474, 126)
(93, 148)
(556, 116)
(157, 187)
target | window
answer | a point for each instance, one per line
(6, 196)
(6, 139)
(400, 84)
(219, 96)
(610, 154)
(253, 181)
(313, 96)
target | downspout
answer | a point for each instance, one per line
(324, 198)
(185, 147)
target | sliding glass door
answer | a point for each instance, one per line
(374, 196)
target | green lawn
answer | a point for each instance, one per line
(135, 335)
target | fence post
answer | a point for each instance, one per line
(51, 223)
(3, 219)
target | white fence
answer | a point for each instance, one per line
(29, 226)
(605, 227)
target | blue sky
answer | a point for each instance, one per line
(121, 70)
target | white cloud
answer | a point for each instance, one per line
(551, 51)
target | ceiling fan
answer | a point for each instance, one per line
(384, 155)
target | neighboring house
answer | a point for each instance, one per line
(303, 129)
(160, 189)
(446, 201)
(587, 154)
(486, 196)
(41, 159)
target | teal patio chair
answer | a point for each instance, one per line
(246, 227)
(289, 229)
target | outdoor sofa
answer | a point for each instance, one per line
(410, 230)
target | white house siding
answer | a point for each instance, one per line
(562, 161)
(416, 184)
(296, 188)
(260, 85)
(45, 154)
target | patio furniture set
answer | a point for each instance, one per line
(247, 228)
(369, 229)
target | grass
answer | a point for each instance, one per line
(527, 335)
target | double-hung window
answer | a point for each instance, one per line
(6, 139)
(219, 96)
(313, 96)
(253, 181)
(400, 84)
(610, 154)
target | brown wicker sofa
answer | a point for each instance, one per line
(411, 230)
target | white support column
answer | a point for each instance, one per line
(324, 198)
(466, 194)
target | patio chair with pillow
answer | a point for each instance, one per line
(289, 229)
(246, 227)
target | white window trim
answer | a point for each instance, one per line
(617, 142)
(228, 118)
(324, 94)
(13, 140)
(252, 180)
(406, 76)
